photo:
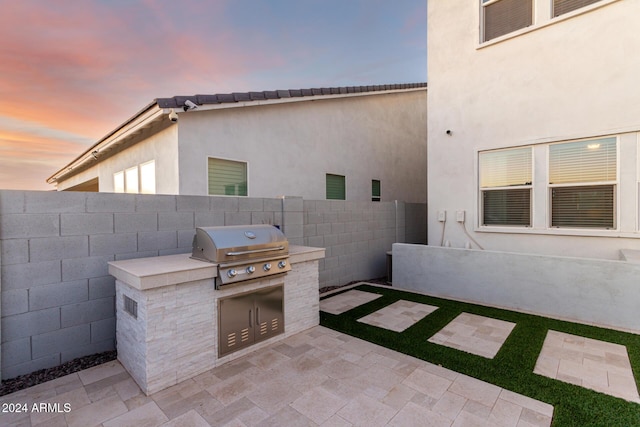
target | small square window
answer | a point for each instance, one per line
(375, 190)
(335, 187)
(227, 177)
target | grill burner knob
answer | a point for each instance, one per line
(232, 273)
(251, 269)
(282, 264)
(267, 266)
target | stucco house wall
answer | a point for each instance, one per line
(561, 79)
(289, 144)
(290, 147)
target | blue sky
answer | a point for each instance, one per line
(71, 71)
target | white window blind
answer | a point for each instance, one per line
(505, 16)
(227, 177)
(148, 178)
(505, 187)
(118, 182)
(582, 177)
(131, 180)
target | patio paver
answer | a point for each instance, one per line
(593, 364)
(346, 301)
(398, 316)
(474, 334)
(317, 377)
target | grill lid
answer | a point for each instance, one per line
(238, 243)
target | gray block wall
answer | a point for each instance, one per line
(57, 298)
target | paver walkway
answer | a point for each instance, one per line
(593, 364)
(318, 377)
(474, 334)
(398, 316)
(346, 301)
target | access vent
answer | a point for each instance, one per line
(130, 306)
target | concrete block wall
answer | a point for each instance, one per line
(57, 297)
(357, 235)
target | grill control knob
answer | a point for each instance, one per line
(232, 273)
(251, 269)
(282, 264)
(267, 266)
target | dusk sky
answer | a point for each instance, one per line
(73, 70)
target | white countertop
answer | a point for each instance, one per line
(155, 272)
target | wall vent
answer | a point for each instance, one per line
(130, 306)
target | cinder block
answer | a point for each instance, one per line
(250, 204)
(26, 226)
(86, 224)
(110, 244)
(16, 351)
(13, 371)
(15, 302)
(193, 203)
(31, 323)
(262, 218)
(86, 350)
(102, 287)
(185, 239)
(84, 268)
(61, 340)
(87, 312)
(308, 205)
(54, 201)
(337, 228)
(11, 201)
(135, 222)
(314, 217)
(14, 251)
(224, 204)
(293, 204)
(316, 241)
(110, 202)
(272, 205)
(237, 218)
(310, 230)
(155, 203)
(58, 294)
(338, 205)
(135, 255)
(24, 276)
(293, 231)
(55, 248)
(174, 251)
(103, 330)
(157, 240)
(323, 229)
(323, 205)
(175, 221)
(209, 219)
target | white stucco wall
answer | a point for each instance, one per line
(591, 291)
(290, 146)
(570, 78)
(162, 147)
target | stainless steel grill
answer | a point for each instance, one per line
(242, 252)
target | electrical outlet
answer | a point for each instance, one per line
(460, 216)
(442, 216)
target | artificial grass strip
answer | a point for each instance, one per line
(512, 368)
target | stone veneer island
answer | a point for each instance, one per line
(167, 313)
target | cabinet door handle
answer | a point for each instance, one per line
(258, 316)
(250, 319)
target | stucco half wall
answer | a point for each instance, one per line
(591, 291)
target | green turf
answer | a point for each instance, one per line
(512, 368)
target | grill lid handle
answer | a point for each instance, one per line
(255, 251)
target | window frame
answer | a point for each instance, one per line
(485, 4)
(615, 184)
(482, 190)
(344, 186)
(246, 173)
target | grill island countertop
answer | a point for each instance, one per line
(155, 272)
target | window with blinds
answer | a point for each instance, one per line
(505, 16)
(375, 190)
(505, 187)
(560, 7)
(227, 177)
(582, 181)
(335, 187)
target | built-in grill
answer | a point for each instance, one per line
(242, 252)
